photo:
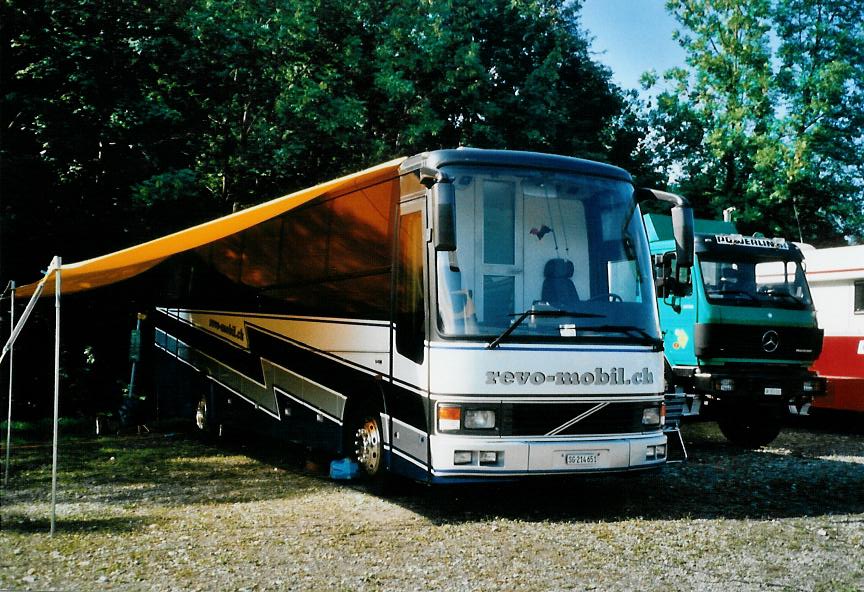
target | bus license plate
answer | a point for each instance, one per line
(773, 391)
(582, 459)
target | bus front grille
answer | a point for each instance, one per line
(540, 419)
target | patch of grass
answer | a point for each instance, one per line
(165, 511)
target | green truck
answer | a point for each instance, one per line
(738, 345)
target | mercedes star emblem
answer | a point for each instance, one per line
(770, 341)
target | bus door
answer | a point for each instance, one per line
(409, 396)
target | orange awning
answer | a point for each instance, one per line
(127, 263)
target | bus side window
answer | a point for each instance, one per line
(410, 305)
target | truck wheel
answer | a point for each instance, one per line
(750, 431)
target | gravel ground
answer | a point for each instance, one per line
(166, 512)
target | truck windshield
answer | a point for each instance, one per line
(741, 282)
(567, 249)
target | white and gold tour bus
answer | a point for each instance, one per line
(475, 314)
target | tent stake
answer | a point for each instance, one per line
(57, 265)
(11, 374)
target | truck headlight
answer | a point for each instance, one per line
(812, 386)
(479, 419)
(724, 385)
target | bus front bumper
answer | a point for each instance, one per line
(464, 456)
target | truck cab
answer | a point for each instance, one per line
(740, 343)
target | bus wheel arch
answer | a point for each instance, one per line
(364, 435)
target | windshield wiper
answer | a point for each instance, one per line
(540, 313)
(622, 329)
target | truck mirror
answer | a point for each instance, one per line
(662, 275)
(443, 202)
(670, 279)
(683, 281)
(659, 276)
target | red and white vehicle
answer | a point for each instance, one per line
(836, 278)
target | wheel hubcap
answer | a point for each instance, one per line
(368, 446)
(201, 415)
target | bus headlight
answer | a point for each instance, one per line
(479, 419)
(651, 416)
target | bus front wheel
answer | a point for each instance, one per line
(369, 446)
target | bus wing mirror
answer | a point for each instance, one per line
(682, 223)
(682, 228)
(443, 204)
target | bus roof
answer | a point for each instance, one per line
(513, 158)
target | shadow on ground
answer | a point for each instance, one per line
(804, 473)
(15, 523)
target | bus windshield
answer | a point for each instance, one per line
(737, 281)
(545, 255)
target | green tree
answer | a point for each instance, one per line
(129, 120)
(123, 121)
(821, 127)
(771, 125)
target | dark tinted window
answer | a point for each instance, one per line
(328, 258)
(859, 297)
(410, 307)
(360, 221)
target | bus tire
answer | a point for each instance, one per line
(369, 445)
(205, 420)
(750, 430)
(368, 452)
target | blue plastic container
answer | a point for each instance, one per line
(344, 468)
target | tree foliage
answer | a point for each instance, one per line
(126, 120)
(123, 121)
(769, 117)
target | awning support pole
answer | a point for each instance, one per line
(11, 374)
(57, 266)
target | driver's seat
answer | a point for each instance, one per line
(558, 289)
